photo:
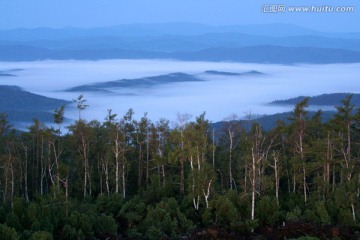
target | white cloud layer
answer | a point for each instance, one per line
(219, 96)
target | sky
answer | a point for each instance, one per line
(98, 13)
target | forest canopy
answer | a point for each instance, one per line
(134, 178)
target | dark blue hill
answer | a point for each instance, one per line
(23, 106)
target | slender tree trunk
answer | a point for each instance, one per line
(26, 192)
(57, 153)
(6, 184)
(101, 170)
(230, 159)
(89, 179)
(163, 174)
(294, 182)
(196, 199)
(42, 167)
(301, 149)
(305, 185)
(106, 171)
(117, 154)
(207, 194)
(333, 178)
(182, 188)
(245, 176)
(85, 177)
(353, 211)
(277, 181)
(253, 184)
(328, 159)
(147, 158)
(57, 159)
(182, 174)
(13, 186)
(140, 166)
(213, 149)
(123, 177)
(67, 196)
(84, 154)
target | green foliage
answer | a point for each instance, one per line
(322, 213)
(8, 233)
(155, 162)
(18, 206)
(268, 211)
(132, 213)
(311, 216)
(41, 235)
(345, 218)
(82, 223)
(295, 215)
(317, 214)
(221, 212)
(246, 227)
(13, 221)
(104, 225)
(3, 213)
(32, 212)
(70, 233)
(165, 220)
(155, 191)
(305, 238)
(109, 204)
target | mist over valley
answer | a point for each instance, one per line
(163, 88)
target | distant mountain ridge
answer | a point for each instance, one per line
(268, 43)
(161, 29)
(332, 99)
(171, 43)
(255, 54)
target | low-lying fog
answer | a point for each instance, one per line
(220, 96)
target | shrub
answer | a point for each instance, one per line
(8, 233)
(109, 204)
(41, 235)
(322, 213)
(221, 212)
(13, 221)
(82, 223)
(295, 215)
(104, 225)
(165, 220)
(268, 211)
(132, 213)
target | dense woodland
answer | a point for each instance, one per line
(127, 178)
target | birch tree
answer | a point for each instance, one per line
(259, 153)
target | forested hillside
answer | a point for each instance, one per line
(331, 99)
(128, 178)
(23, 106)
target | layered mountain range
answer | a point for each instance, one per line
(275, 43)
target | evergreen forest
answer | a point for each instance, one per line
(127, 178)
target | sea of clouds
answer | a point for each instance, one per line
(219, 96)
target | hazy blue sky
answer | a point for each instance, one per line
(90, 13)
